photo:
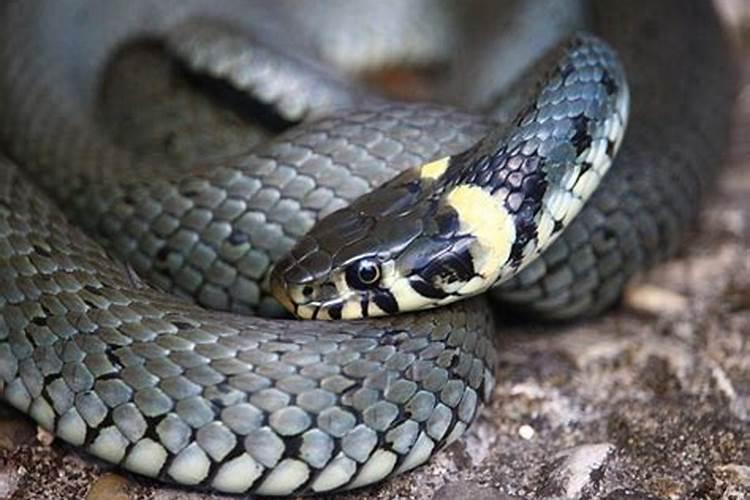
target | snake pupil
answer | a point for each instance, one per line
(363, 274)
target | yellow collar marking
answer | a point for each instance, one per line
(434, 169)
(483, 216)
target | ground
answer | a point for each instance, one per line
(651, 401)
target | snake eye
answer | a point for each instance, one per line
(363, 274)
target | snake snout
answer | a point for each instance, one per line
(299, 281)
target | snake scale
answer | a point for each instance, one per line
(145, 379)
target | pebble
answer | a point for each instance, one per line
(526, 432)
(44, 436)
(653, 300)
(109, 487)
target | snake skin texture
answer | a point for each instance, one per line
(137, 375)
(138, 378)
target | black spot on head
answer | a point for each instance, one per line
(453, 265)
(447, 223)
(334, 311)
(385, 301)
(425, 288)
(581, 139)
(364, 304)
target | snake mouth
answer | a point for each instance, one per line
(322, 311)
(307, 299)
(313, 309)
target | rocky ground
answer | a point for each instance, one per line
(652, 401)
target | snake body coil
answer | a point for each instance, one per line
(164, 388)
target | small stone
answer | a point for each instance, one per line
(44, 436)
(653, 300)
(526, 432)
(109, 487)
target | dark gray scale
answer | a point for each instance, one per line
(453, 265)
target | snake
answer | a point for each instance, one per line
(125, 334)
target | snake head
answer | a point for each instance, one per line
(454, 227)
(344, 267)
(406, 246)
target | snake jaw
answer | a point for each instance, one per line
(308, 295)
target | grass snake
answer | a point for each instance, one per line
(138, 376)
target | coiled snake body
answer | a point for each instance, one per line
(167, 389)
